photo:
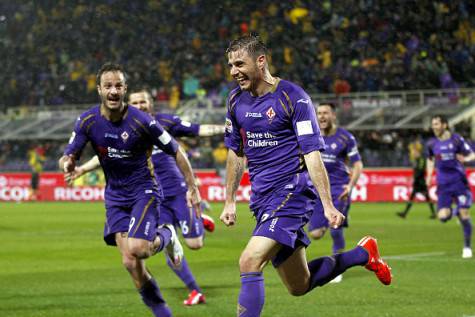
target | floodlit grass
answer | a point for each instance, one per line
(54, 264)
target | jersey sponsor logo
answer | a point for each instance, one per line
(253, 115)
(260, 139)
(124, 136)
(116, 153)
(228, 126)
(165, 138)
(111, 136)
(303, 101)
(304, 127)
(270, 114)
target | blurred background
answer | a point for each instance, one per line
(387, 66)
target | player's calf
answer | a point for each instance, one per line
(444, 214)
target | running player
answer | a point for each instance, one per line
(122, 138)
(340, 148)
(272, 123)
(445, 151)
(173, 207)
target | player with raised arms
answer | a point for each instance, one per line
(272, 123)
(446, 151)
(341, 153)
(122, 138)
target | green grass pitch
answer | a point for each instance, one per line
(53, 263)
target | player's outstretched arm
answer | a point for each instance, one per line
(234, 171)
(193, 194)
(210, 129)
(318, 175)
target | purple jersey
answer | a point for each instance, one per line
(448, 168)
(124, 149)
(274, 131)
(166, 170)
(340, 148)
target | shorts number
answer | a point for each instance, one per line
(184, 228)
(132, 222)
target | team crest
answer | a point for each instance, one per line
(333, 146)
(124, 136)
(270, 114)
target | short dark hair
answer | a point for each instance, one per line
(251, 43)
(109, 67)
(441, 117)
(329, 104)
(139, 90)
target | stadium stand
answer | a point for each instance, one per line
(387, 67)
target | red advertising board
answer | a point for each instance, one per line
(374, 185)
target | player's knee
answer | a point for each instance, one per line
(317, 233)
(444, 214)
(140, 249)
(464, 213)
(297, 290)
(194, 244)
(129, 263)
(250, 262)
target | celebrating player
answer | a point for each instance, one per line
(273, 124)
(340, 148)
(173, 207)
(418, 181)
(122, 138)
(446, 151)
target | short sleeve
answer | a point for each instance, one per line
(183, 128)
(232, 137)
(304, 122)
(79, 138)
(462, 146)
(159, 136)
(352, 149)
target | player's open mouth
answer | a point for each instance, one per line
(241, 80)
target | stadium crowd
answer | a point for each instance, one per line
(176, 48)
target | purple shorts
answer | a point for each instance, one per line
(457, 193)
(282, 217)
(139, 219)
(174, 210)
(318, 219)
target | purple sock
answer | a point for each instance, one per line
(338, 240)
(184, 273)
(323, 270)
(152, 297)
(165, 236)
(467, 232)
(251, 296)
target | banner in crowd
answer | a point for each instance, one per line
(374, 185)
